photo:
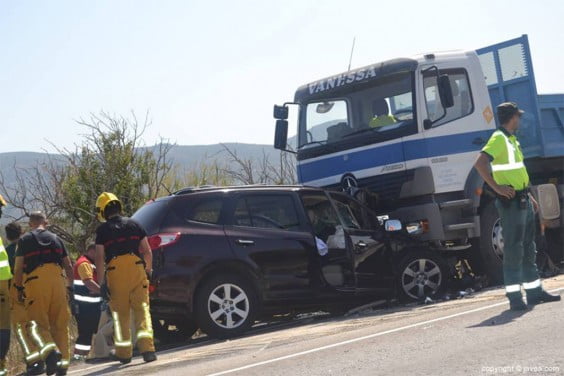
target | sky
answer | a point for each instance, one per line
(210, 71)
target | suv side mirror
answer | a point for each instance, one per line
(280, 112)
(392, 225)
(445, 91)
(281, 134)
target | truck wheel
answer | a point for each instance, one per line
(226, 306)
(491, 243)
(421, 274)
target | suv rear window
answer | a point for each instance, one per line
(267, 211)
(151, 215)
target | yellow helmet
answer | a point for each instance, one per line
(105, 199)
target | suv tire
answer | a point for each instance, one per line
(226, 306)
(414, 283)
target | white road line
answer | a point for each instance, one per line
(358, 339)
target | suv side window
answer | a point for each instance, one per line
(323, 218)
(461, 92)
(207, 211)
(267, 211)
(353, 214)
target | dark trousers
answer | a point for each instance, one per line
(88, 318)
(519, 250)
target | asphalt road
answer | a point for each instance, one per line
(471, 336)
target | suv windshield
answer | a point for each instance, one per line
(384, 109)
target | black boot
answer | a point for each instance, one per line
(516, 301)
(149, 356)
(517, 305)
(51, 361)
(113, 356)
(36, 369)
(542, 297)
(61, 372)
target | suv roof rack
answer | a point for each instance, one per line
(193, 189)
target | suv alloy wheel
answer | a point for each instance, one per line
(226, 305)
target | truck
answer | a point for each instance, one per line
(407, 132)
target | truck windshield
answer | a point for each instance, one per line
(382, 110)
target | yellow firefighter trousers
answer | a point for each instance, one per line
(128, 286)
(47, 304)
(22, 327)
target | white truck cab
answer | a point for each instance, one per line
(408, 132)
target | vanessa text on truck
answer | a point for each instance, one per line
(407, 131)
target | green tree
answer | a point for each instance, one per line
(110, 157)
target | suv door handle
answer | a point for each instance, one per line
(245, 242)
(479, 141)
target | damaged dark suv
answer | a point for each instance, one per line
(224, 257)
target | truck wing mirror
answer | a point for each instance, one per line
(445, 91)
(280, 112)
(281, 133)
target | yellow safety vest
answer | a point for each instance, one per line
(507, 164)
(5, 271)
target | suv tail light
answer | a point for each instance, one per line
(163, 240)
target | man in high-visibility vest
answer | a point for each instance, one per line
(124, 266)
(42, 256)
(21, 326)
(5, 276)
(516, 207)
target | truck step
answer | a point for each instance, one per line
(455, 203)
(460, 226)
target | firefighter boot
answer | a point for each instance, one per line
(149, 356)
(35, 368)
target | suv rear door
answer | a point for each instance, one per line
(267, 231)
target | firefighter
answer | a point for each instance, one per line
(21, 326)
(124, 264)
(516, 207)
(42, 256)
(5, 276)
(87, 297)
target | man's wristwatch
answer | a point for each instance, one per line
(19, 288)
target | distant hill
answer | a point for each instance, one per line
(184, 157)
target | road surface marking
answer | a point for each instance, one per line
(358, 339)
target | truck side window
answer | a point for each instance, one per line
(463, 104)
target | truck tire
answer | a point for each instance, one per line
(491, 243)
(421, 274)
(226, 306)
